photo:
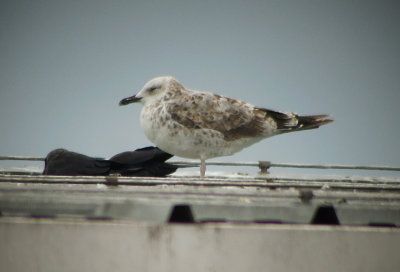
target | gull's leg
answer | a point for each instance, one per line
(202, 168)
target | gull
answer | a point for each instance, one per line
(203, 125)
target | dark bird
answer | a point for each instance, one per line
(144, 162)
(148, 161)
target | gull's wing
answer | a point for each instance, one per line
(236, 119)
(233, 118)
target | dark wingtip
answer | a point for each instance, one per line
(313, 121)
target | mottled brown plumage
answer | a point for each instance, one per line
(204, 125)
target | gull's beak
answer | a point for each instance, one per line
(128, 100)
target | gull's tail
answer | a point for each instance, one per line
(312, 121)
(288, 122)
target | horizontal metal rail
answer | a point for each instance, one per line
(261, 164)
(293, 165)
(21, 158)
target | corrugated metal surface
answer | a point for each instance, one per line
(277, 222)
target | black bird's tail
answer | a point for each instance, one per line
(143, 162)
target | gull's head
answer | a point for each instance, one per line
(151, 91)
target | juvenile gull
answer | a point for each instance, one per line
(203, 125)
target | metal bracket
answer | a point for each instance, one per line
(264, 166)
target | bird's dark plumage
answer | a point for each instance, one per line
(143, 162)
(148, 161)
(63, 162)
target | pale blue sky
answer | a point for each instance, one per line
(66, 64)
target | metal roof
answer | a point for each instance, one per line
(286, 222)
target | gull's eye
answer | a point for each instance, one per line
(152, 89)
